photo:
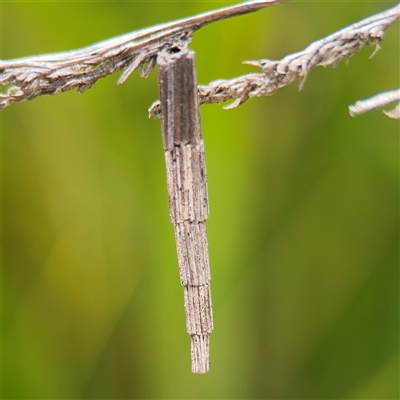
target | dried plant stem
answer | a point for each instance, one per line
(187, 193)
(34, 76)
(378, 101)
(327, 52)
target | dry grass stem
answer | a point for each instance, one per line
(327, 52)
(187, 194)
(28, 78)
(378, 101)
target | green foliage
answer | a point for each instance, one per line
(303, 231)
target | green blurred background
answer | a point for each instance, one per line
(303, 231)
